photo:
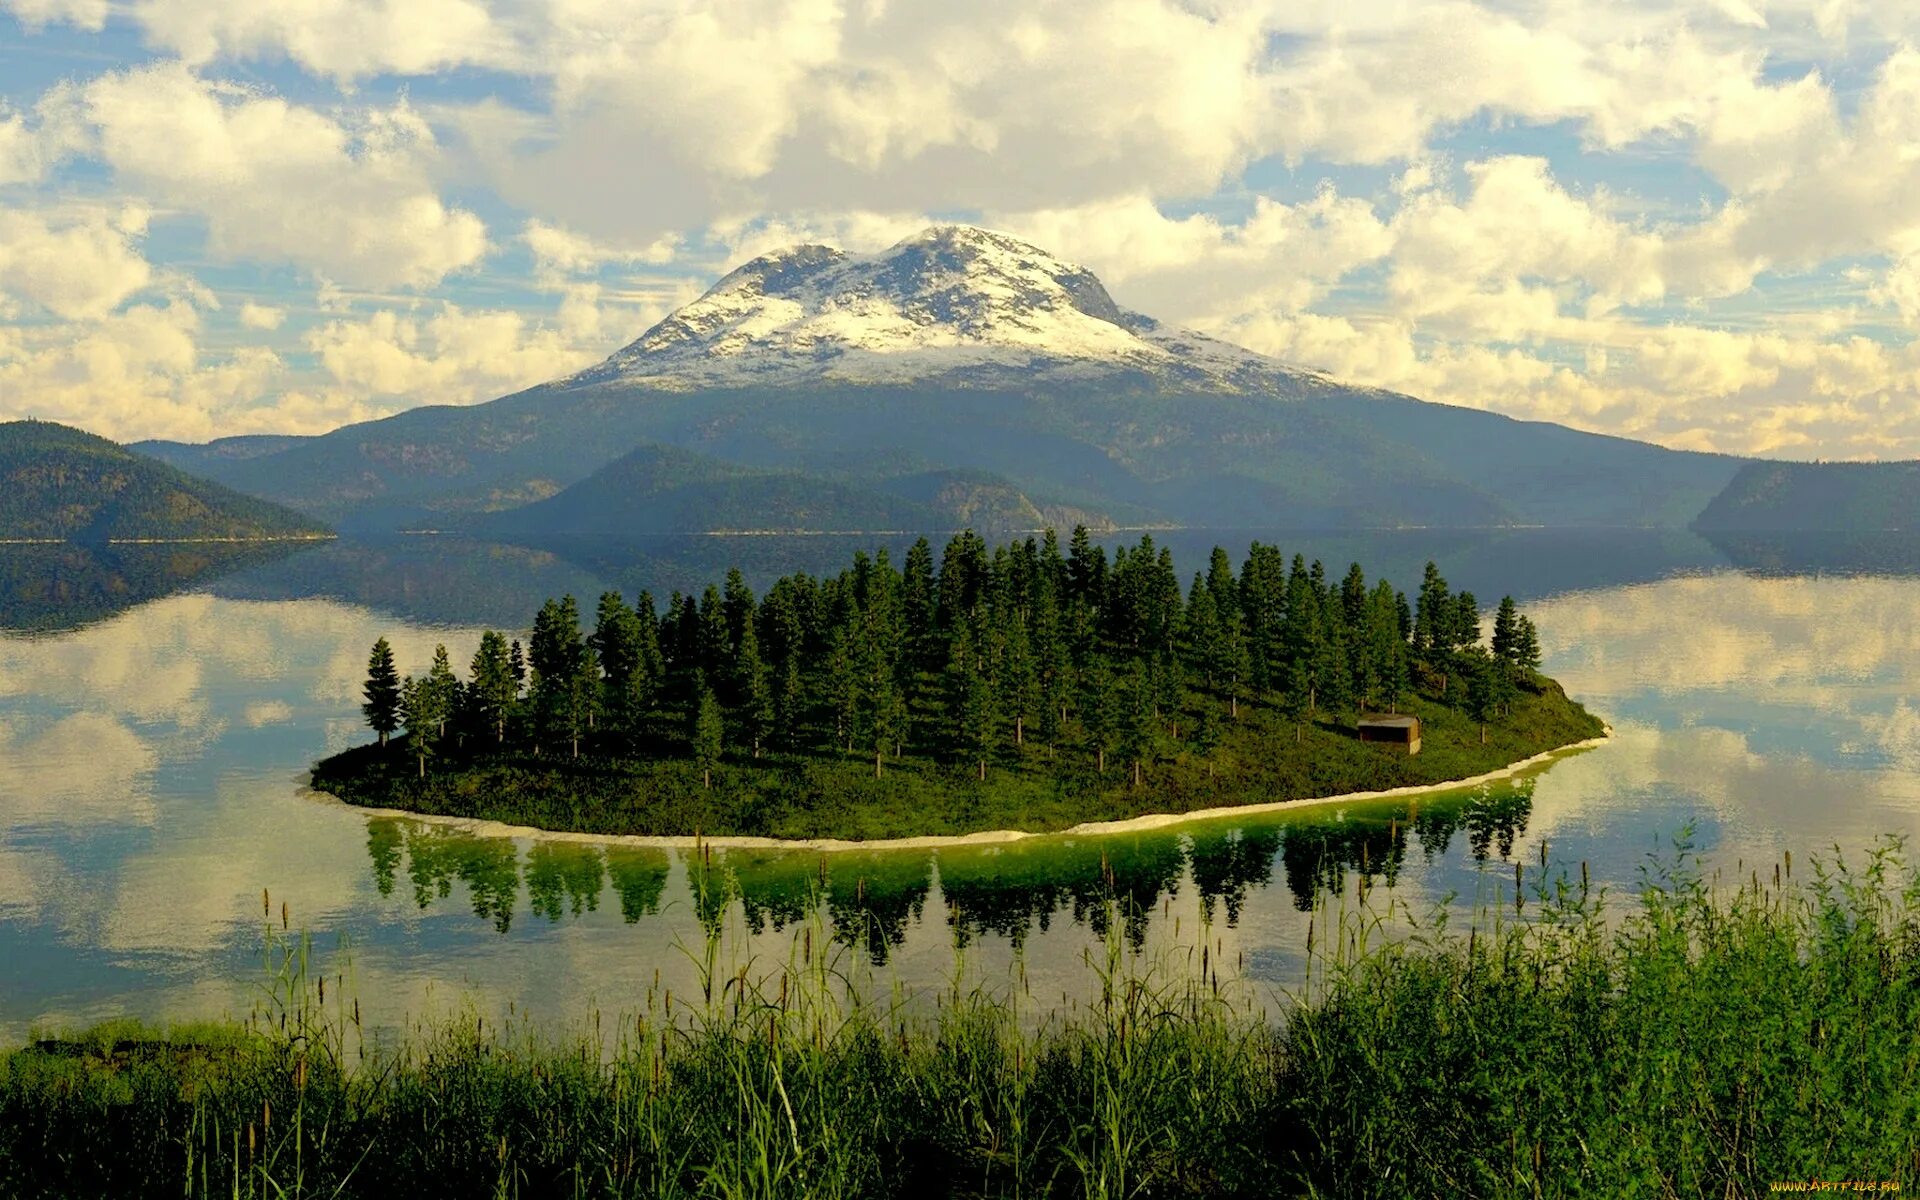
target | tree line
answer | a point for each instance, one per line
(969, 659)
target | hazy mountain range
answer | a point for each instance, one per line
(959, 377)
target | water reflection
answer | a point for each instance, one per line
(872, 901)
(60, 588)
(151, 764)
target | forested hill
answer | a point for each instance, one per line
(60, 483)
(1781, 497)
(1019, 687)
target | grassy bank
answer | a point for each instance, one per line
(1263, 756)
(1712, 1042)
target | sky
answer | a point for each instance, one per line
(1693, 222)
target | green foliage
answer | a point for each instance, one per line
(928, 680)
(382, 691)
(1702, 1042)
(63, 484)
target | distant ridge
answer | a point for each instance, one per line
(58, 483)
(1787, 497)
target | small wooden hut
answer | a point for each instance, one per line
(1395, 730)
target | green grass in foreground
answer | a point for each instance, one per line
(1711, 1042)
(1263, 756)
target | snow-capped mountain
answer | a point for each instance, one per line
(953, 303)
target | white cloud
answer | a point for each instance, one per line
(558, 252)
(339, 39)
(348, 199)
(84, 14)
(74, 268)
(263, 317)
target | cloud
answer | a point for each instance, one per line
(348, 197)
(34, 14)
(75, 268)
(263, 317)
(342, 40)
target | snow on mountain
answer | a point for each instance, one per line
(953, 303)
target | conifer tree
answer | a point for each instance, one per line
(917, 605)
(1234, 665)
(1097, 710)
(1527, 645)
(1020, 677)
(754, 682)
(581, 701)
(619, 638)
(1206, 734)
(1506, 631)
(517, 666)
(382, 691)
(492, 688)
(1202, 630)
(445, 687)
(971, 703)
(1137, 727)
(708, 733)
(1482, 676)
(422, 712)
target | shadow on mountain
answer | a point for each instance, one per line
(58, 588)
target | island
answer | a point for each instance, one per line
(1019, 687)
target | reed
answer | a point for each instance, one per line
(1703, 1036)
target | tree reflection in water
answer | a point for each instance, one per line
(873, 900)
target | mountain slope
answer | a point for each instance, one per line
(662, 490)
(1817, 497)
(960, 350)
(61, 483)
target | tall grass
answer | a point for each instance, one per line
(1712, 1038)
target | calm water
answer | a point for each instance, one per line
(157, 715)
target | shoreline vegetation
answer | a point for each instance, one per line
(1710, 1038)
(1018, 688)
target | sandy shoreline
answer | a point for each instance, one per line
(991, 837)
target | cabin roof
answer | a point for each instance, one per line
(1390, 721)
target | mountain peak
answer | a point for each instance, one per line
(953, 302)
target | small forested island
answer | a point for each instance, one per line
(1016, 687)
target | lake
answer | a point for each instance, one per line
(159, 708)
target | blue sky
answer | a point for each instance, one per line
(1693, 223)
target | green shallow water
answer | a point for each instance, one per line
(156, 720)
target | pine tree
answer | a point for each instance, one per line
(887, 716)
(517, 666)
(1020, 677)
(1097, 710)
(1527, 645)
(754, 682)
(1235, 665)
(1206, 734)
(1202, 631)
(619, 638)
(382, 692)
(581, 700)
(1137, 727)
(917, 606)
(492, 688)
(972, 702)
(1482, 676)
(708, 733)
(445, 687)
(422, 712)
(1506, 631)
